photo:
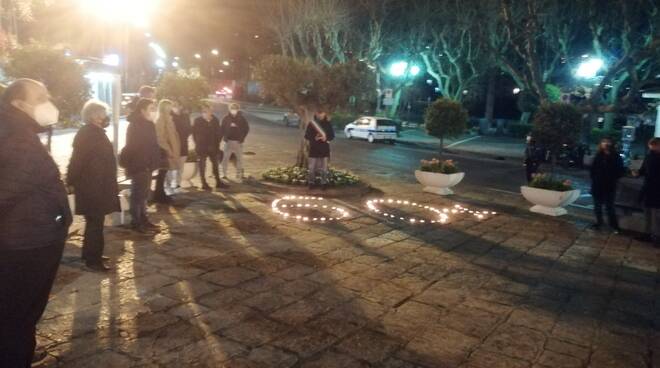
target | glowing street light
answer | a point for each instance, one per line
(516, 91)
(111, 59)
(158, 50)
(225, 63)
(588, 69)
(198, 56)
(160, 64)
(175, 64)
(215, 52)
(135, 12)
(401, 68)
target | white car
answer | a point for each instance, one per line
(372, 129)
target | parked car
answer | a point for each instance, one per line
(372, 129)
(291, 118)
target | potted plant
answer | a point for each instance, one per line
(190, 167)
(549, 195)
(438, 176)
(445, 119)
(556, 125)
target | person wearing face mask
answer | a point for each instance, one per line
(140, 157)
(34, 218)
(182, 123)
(93, 175)
(170, 144)
(234, 129)
(207, 136)
(606, 171)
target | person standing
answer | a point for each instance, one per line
(140, 157)
(532, 158)
(182, 123)
(207, 136)
(234, 129)
(143, 92)
(34, 218)
(650, 195)
(319, 133)
(93, 175)
(170, 144)
(606, 170)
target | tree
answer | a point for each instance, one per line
(557, 125)
(64, 78)
(187, 87)
(445, 118)
(306, 88)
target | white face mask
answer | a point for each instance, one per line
(46, 114)
(233, 112)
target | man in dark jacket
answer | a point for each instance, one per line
(34, 218)
(182, 123)
(93, 175)
(140, 157)
(606, 170)
(532, 158)
(651, 191)
(319, 132)
(233, 130)
(207, 136)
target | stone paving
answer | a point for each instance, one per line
(231, 284)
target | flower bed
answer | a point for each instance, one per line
(546, 181)
(437, 166)
(298, 176)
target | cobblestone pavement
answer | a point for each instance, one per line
(231, 284)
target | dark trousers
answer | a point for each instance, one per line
(530, 169)
(159, 192)
(93, 243)
(140, 185)
(214, 165)
(26, 278)
(607, 200)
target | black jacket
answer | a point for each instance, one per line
(182, 124)
(318, 149)
(650, 170)
(34, 209)
(606, 170)
(93, 172)
(234, 128)
(207, 136)
(142, 152)
(533, 155)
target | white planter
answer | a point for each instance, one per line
(549, 202)
(438, 183)
(189, 172)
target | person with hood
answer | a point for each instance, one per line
(182, 123)
(140, 157)
(234, 129)
(606, 170)
(207, 137)
(34, 218)
(650, 194)
(170, 144)
(319, 132)
(93, 175)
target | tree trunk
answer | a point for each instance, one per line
(395, 103)
(302, 156)
(442, 143)
(490, 99)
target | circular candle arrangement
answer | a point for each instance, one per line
(290, 207)
(442, 214)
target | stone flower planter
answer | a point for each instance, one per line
(189, 172)
(438, 183)
(549, 202)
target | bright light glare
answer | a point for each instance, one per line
(135, 12)
(414, 70)
(215, 52)
(158, 50)
(516, 91)
(398, 69)
(111, 59)
(160, 64)
(589, 68)
(198, 56)
(175, 64)
(225, 63)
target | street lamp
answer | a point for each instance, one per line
(198, 56)
(225, 63)
(175, 64)
(402, 68)
(215, 52)
(160, 64)
(588, 69)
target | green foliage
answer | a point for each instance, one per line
(518, 130)
(340, 119)
(596, 135)
(445, 118)
(294, 83)
(298, 176)
(186, 87)
(64, 78)
(554, 92)
(437, 166)
(545, 181)
(556, 125)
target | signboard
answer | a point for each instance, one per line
(388, 99)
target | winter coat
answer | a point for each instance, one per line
(142, 152)
(34, 208)
(169, 141)
(318, 149)
(234, 128)
(182, 123)
(207, 136)
(606, 170)
(93, 172)
(650, 170)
